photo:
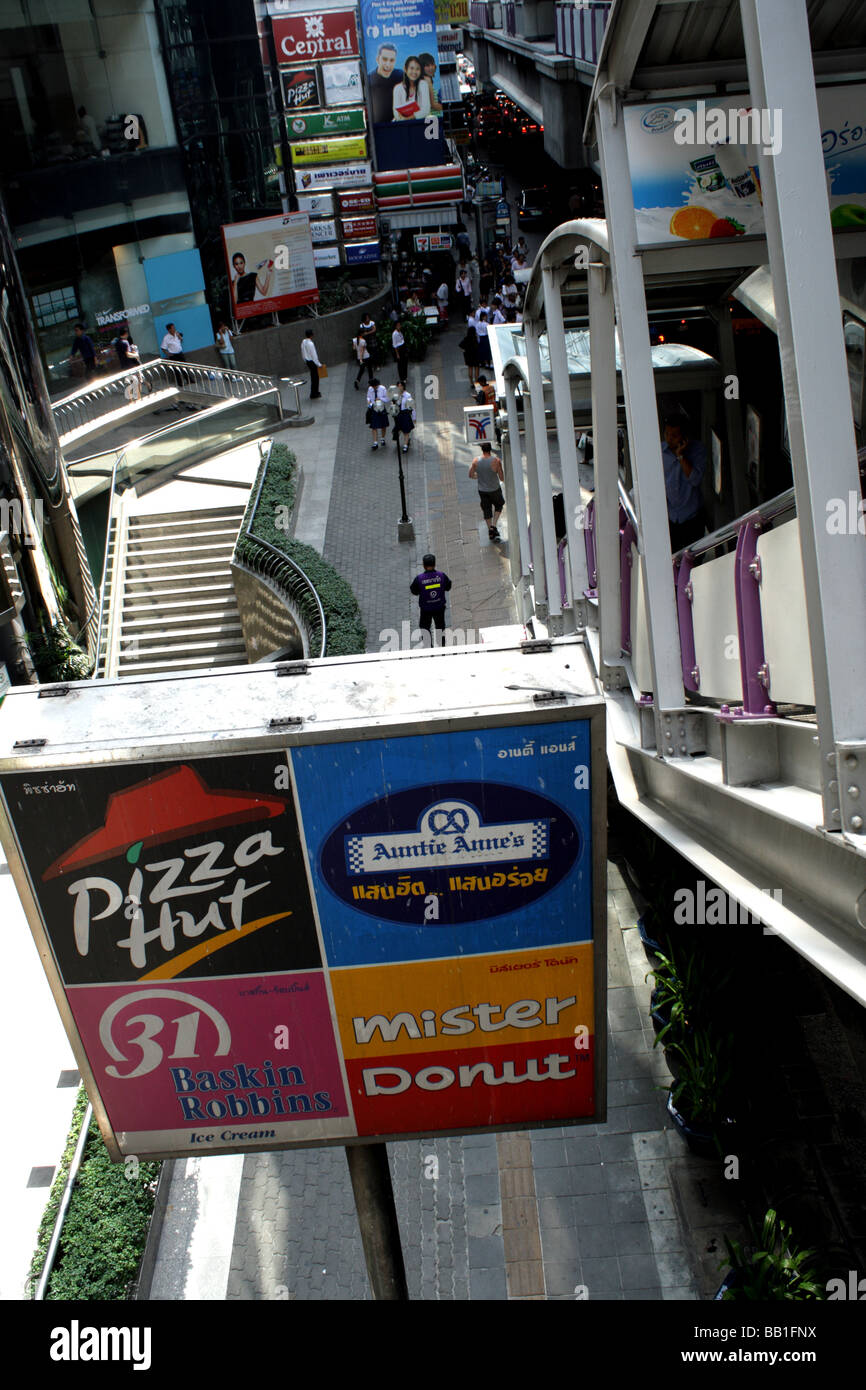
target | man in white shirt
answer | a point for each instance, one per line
(401, 355)
(172, 343)
(311, 357)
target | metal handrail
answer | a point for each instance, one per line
(276, 558)
(766, 511)
(626, 503)
(274, 568)
(73, 465)
(88, 407)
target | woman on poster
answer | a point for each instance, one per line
(412, 95)
(253, 284)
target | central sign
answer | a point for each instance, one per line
(320, 34)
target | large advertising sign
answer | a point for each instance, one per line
(270, 264)
(402, 62)
(327, 943)
(319, 34)
(362, 252)
(342, 84)
(696, 165)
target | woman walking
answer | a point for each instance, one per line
(405, 422)
(225, 343)
(469, 347)
(377, 411)
(462, 292)
(401, 353)
(365, 361)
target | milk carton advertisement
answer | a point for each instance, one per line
(696, 166)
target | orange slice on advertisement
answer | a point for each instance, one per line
(692, 222)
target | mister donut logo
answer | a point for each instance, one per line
(442, 856)
(183, 871)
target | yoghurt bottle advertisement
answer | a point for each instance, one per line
(696, 165)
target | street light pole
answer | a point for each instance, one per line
(405, 529)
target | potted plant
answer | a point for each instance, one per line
(698, 1100)
(771, 1268)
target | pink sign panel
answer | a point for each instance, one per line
(256, 1050)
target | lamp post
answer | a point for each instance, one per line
(405, 529)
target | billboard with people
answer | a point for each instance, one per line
(401, 59)
(270, 264)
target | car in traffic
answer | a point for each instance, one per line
(534, 207)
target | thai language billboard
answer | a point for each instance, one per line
(270, 264)
(402, 63)
(328, 943)
(696, 164)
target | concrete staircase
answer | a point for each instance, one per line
(169, 597)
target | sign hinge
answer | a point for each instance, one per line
(28, 745)
(549, 697)
(294, 668)
(53, 692)
(291, 721)
(536, 644)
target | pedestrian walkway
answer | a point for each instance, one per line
(615, 1211)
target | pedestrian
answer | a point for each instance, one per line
(469, 347)
(486, 278)
(225, 343)
(128, 356)
(365, 362)
(484, 356)
(463, 290)
(405, 422)
(82, 343)
(368, 329)
(442, 303)
(311, 357)
(487, 468)
(486, 394)
(377, 410)
(172, 343)
(401, 354)
(431, 586)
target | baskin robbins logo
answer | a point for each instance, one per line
(659, 119)
(475, 850)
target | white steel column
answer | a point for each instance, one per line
(543, 546)
(817, 396)
(641, 411)
(516, 490)
(551, 278)
(602, 344)
(539, 577)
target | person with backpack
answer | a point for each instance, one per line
(405, 421)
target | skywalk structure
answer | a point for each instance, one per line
(734, 671)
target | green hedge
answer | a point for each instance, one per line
(347, 634)
(106, 1225)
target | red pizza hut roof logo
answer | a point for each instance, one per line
(163, 808)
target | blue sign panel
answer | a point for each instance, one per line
(360, 252)
(403, 88)
(490, 853)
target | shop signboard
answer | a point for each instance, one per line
(323, 231)
(348, 122)
(341, 84)
(452, 11)
(478, 424)
(357, 202)
(301, 91)
(402, 63)
(696, 164)
(266, 939)
(315, 35)
(316, 204)
(333, 176)
(433, 241)
(270, 264)
(359, 229)
(328, 151)
(326, 257)
(362, 252)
